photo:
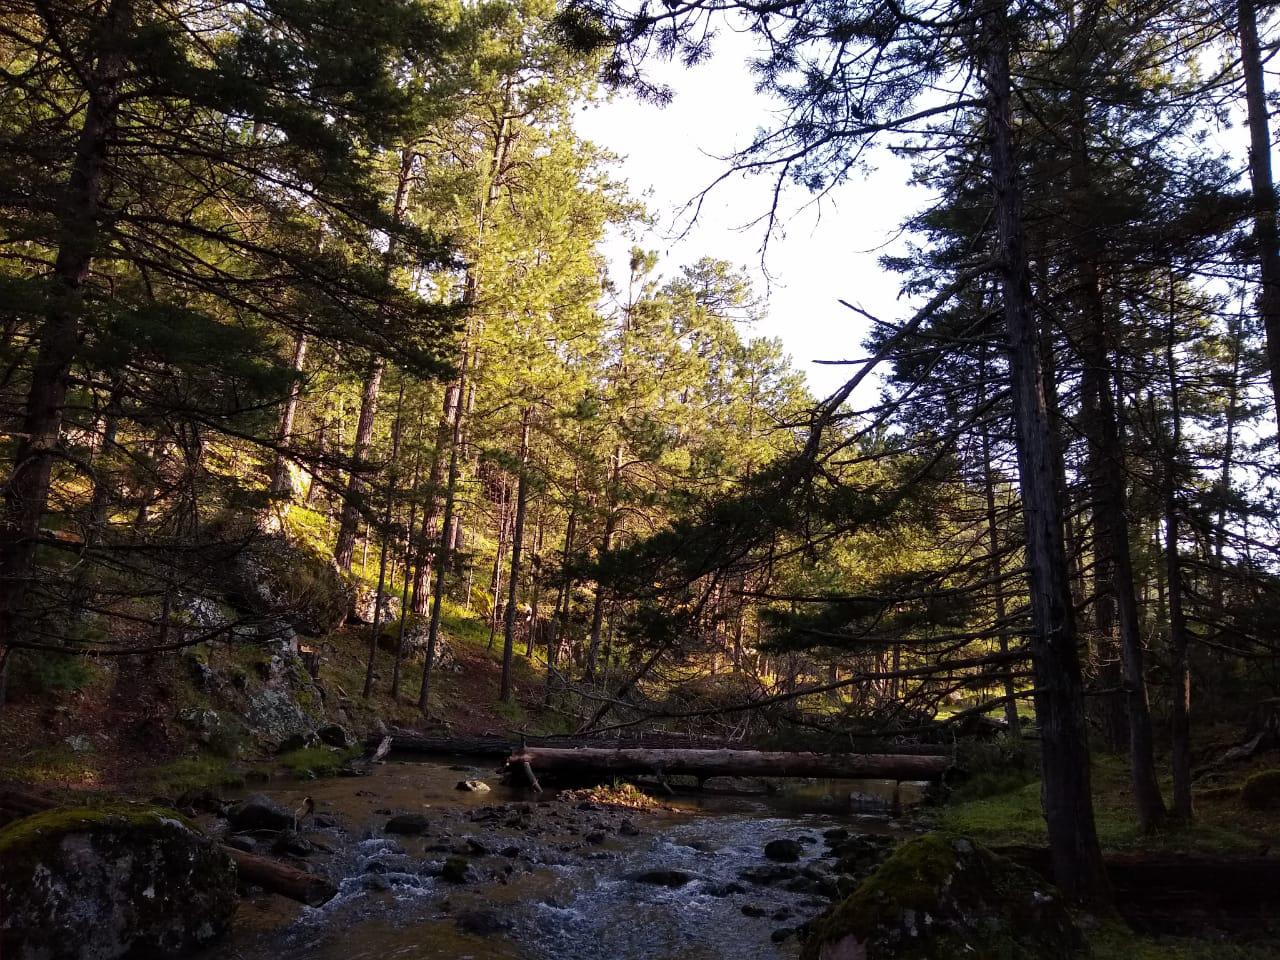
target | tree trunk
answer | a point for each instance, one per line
(380, 595)
(1115, 592)
(409, 559)
(997, 573)
(517, 546)
(284, 433)
(1265, 230)
(442, 550)
(1059, 697)
(495, 580)
(26, 494)
(431, 511)
(353, 501)
(1179, 670)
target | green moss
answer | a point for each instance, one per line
(943, 896)
(137, 879)
(1262, 790)
(54, 764)
(21, 834)
(193, 774)
(910, 879)
(309, 763)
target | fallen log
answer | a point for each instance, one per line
(405, 741)
(272, 875)
(277, 877)
(730, 763)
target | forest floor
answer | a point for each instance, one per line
(113, 726)
(1223, 824)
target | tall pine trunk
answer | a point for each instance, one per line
(1265, 231)
(1059, 696)
(353, 500)
(431, 511)
(284, 432)
(517, 547)
(1179, 666)
(26, 494)
(444, 541)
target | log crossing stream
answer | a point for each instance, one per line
(546, 878)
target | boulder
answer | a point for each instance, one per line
(275, 577)
(942, 896)
(416, 630)
(662, 878)
(362, 606)
(335, 735)
(274, 715)
(259, 813)
(407, 824)
(456, 870)
(783, 850)
(80, 883)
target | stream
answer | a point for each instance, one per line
(554, 878)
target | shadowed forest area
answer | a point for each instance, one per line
(333, 426)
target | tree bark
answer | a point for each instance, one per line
(431, 511)
(997, 573)
(26, 494)
(1265, 231)
(443, 543)
(379, 596)
(517, 546)
(1059, 697)
(284, 433)
(1179, 669)
(1116, 600)
(353, 501)
(731, 763)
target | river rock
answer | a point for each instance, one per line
(259, 813)
(941, 896)
(662, 878)
(473, 786)
(456, 870)
(407, 824)
(95, 884)
(335, 735)
(482, 922)
(783, 850)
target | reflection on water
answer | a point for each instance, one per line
(549, 880)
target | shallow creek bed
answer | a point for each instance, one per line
(507, 874)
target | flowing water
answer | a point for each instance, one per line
(547, 879)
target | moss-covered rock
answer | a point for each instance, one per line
(941, 896)
(1262, 791)
(85, 883)
(279, 577)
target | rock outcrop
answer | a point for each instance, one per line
(940, 896)
(80, 883)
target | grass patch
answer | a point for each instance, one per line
(1016, 817)
(56, 763)
(1112, 940)
(192, 774)
(309, 763)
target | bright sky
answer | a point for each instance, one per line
(825, 254)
